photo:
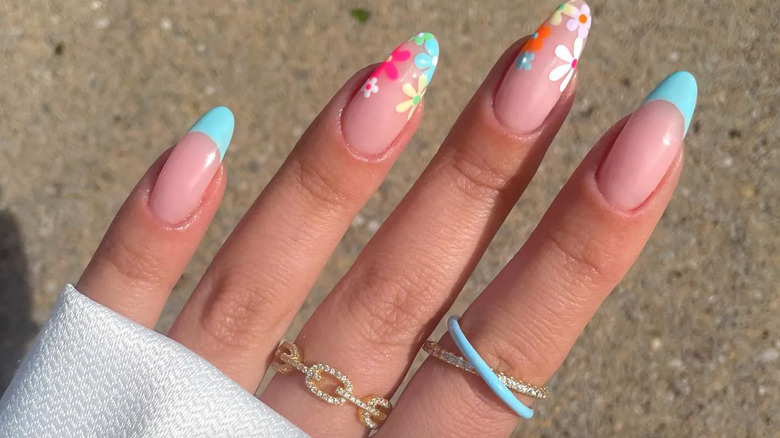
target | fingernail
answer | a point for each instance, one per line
(389, 97)
(649, 143)
(191, 166)
(543, 68)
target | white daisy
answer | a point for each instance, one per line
(571, 59)
(370, 87)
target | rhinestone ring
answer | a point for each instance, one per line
(518, 386)
(483, 369)
(372, 411)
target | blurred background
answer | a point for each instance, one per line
(687, 345)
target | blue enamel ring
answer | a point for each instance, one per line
(484, 371)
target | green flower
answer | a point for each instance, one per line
(421, 38)
(564, 9)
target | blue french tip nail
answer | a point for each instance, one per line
(218, 124)
(681, 90)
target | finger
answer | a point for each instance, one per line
(258, 280)
(161, 223)
(371, 326)
(528, 318)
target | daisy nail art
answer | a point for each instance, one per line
(570, 60)
(370, 87)
(543, 68)
(390, 96)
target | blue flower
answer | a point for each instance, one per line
(523, 61)
(427, 61)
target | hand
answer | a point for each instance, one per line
(374, 322)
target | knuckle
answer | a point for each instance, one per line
(578, 268)
(579, 259)
(511, 354)
(133, 262)
(237, 311)
(530, 349)
(390, 305)
(479, 178)
(318, 185)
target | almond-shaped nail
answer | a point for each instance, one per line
(389, 97)
(543, 68)
(191, 166)
(649, 143)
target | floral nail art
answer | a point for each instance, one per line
(422, 37)
(580, 21)
(571, 58)
(563, 9)
(370, 87)
(390, 96)
(427, 61)
(537, 39)
(415, 96)
(543, 68)
(388, 67)
(405, 74)
(524, 59)
(523, 62)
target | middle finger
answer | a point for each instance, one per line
(418, 261)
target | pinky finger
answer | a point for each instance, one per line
(158, 228)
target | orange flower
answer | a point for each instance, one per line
(537, 41)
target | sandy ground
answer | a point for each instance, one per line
(687, 345)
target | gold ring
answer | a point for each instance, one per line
(372, 411)
(518, 386)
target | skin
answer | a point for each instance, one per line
(375, 320)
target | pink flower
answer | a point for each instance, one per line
(580, 21)
(389, 67)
